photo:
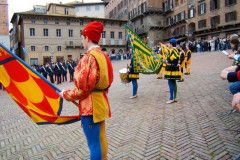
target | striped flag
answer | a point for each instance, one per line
(145, 60)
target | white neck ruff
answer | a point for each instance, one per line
(94, 46)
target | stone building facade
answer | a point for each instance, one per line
(201, 19)
(4, 33)
(56, 36)
(160, 20)
(145, 17)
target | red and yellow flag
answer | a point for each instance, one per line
(35, 95)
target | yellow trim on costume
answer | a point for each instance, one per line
(99, 101)
(183, 62)
(174, 55)
(163, 68)
(100, 107)
(103, 141)
(172, 73)
(102, 63)
(133, 75)
(190, 60)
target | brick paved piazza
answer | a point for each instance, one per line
(196, 127)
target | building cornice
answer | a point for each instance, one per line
(62, 16)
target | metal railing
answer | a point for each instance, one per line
(145, 10)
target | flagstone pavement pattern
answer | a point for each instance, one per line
(196, 127)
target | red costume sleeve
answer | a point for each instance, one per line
(86, 76)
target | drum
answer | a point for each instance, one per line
(124, 75)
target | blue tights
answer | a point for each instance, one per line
(92, 133)
(135, 86)
(173, 88)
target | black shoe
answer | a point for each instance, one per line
(159, 78)
(180, 80)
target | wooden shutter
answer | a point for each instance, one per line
(218, 19)
(211, 5)
(199, 9)
(189, 13)
(226, 2)
(205, 8)
(235, 15)
(218, 4)
(226, 17)
(212, 21)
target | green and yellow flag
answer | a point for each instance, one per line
(145, 60)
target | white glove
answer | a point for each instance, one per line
(61, 93)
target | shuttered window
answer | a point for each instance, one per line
(202, 9)
(215, 21)
(214, 4)
(230, 2)
(191, 13)
(202, 24)
(231, 16)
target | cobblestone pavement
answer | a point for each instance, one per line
(196, 127)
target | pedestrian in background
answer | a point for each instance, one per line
(188, 60)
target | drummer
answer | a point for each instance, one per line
(133, 76)
(124, 75)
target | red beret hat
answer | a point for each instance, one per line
(93, 31)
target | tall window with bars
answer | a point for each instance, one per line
(104, 34)
(70, 33)
(45, 32)
(32, 31)
(33, 48)
(58, 33)
(112, 34)
(59, 48)
(46, 48)
(66, 11)
(120, 35)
